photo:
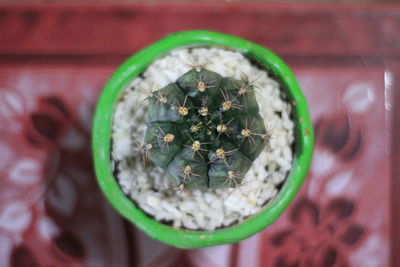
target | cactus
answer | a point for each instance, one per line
(204, 130)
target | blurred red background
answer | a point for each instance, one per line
(54, 61)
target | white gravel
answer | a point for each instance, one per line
(148, 185)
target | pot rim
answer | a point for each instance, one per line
(102, 127)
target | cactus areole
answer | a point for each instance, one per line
(205, 130)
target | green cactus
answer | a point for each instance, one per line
(204, 130)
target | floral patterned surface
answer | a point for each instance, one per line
(342, 212)
(53, 214)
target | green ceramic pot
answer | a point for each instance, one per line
(101, 141)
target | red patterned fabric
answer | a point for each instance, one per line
(54, 61)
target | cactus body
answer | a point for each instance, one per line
(205, 130)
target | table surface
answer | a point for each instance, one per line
(54, 61)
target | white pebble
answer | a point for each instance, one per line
(153, 201)
(166, 205)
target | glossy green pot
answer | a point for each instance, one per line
(101, 141)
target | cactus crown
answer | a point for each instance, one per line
(204, 130)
